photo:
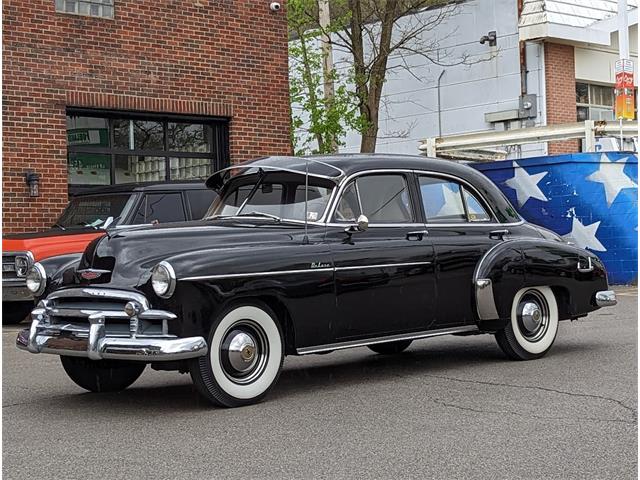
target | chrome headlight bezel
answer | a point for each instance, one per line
(22, 263)
(163, 279)
(36, 279)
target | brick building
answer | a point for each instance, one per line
(100, 92)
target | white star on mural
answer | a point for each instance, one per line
(452, 202)
(611, 175)
(525, 185)
(584, 236)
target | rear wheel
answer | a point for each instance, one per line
(245, 357)
(390, 348)
(102, 375)
(15, 312)
(533, 326)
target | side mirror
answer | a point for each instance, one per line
(362, 225)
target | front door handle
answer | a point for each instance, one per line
(499, 233)
(417, 235)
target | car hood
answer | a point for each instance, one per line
(50, 243)
(129, 255)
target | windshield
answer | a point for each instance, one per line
(273, 194)
(95, 211)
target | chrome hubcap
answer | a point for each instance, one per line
(533, 315)
(243, 352)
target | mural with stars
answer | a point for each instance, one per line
(590, 199)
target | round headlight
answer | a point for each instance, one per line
(36, 279)
(163, 279)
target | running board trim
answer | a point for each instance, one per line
(388, 338)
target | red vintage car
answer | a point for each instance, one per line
(89, 215)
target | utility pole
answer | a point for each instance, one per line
(324, 17)
(624, 90)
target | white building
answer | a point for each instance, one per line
(555, 56)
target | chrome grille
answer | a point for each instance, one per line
(9, 262)
(9, 267)
(75, 309)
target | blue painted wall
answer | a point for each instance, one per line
(589, 198)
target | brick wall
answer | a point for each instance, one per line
(209, 57)
(560, 85)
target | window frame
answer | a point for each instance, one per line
(407, 177)
(464, 187)
(591, 106)
(218, 143)
(94, 2)
(143, 201)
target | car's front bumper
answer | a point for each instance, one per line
(606, 298)
(41, 339)
(16, 292)
(63, 326)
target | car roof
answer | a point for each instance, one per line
(143, 187)
(341, 166)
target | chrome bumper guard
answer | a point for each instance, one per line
(606, 298)
(86, 332)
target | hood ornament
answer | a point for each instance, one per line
(91, 273)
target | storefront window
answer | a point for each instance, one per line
(113, 148)
(594, 102)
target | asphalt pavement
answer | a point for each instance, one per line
(447, 408)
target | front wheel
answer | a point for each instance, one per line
(245, 357)
(533, 325)
(102, 375)
(390, 348)
(15, 312)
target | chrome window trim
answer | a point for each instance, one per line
(388, 338)
(464, 184)
(283, 169)
(333, 204)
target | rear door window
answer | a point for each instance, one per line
(447, 201)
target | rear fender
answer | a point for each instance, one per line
(519, 263)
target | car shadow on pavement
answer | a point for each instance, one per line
(338, 371)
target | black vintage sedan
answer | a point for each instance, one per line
(309, 255)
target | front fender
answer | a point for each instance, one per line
(59, 269)
(519, 263)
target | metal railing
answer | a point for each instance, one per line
(455, 145)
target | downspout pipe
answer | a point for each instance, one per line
(439, 105)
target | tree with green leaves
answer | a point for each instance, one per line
(316, 118)
(370, 32)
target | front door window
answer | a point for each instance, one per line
(382, 198)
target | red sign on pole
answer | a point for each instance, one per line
(624, 91)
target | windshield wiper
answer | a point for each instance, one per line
(259, 214)
(59, 226)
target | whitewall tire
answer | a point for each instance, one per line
(533, 325)
(245, 356)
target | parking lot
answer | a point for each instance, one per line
(449, 407)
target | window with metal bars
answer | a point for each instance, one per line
(92, 8)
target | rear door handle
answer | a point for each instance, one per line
(499, 233)
(417, 235)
